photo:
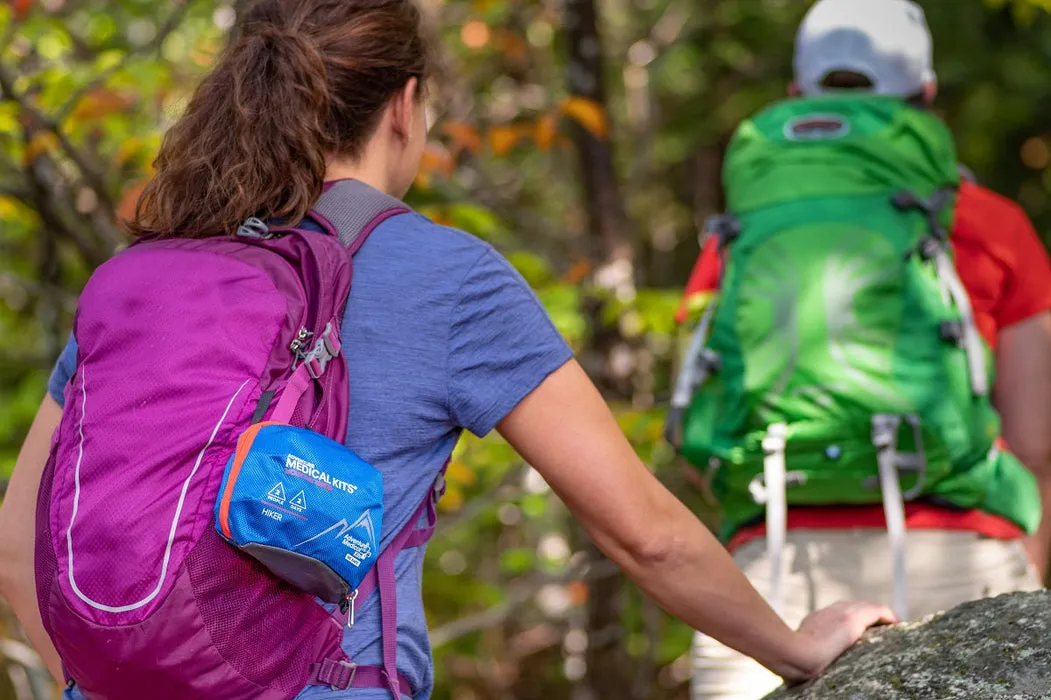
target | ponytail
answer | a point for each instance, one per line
(304, 79)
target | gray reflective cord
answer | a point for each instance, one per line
(952, 288)
(885, 439)
(351, 206)
(254, 228)
(917, 461)
(693, 374)
(972, 341)
(776, 510)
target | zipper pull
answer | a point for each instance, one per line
(347, 604)
(302, 337)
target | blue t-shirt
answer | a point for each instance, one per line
(441, 334)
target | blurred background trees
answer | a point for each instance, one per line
(581, 138)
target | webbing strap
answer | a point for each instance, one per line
(341, 675)
(776, 510)
(312, 366)
(295, 388)
(382, 578)
(370, 582)
(388, 587)
(972, 340)
(350, 210)
(885, 440)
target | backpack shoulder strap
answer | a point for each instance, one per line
(352, 210)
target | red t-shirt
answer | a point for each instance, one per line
(1006, 270)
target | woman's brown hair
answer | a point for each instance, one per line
(301, 80)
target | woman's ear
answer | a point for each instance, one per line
(405, 109)
(793, 89)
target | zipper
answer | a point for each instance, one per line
(302, 339)
(347, 604)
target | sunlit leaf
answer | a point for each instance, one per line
(578, 592)
(453, 499)
(101, 102)
(459, 473)
(477, 220)
(544, 131)
(578, 272)
(126, 207)
(42, 142)
(588, 114)
(517, 561)
(21, 8)
(503, 138)
(463, 135)
(536, 271)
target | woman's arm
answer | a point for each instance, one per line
(566, 431)
(18, 525)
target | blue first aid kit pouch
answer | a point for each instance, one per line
(305, 506)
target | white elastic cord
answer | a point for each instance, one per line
(972, 341)
(885, 438)
(776, 509)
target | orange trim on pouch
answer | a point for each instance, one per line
(244, 446)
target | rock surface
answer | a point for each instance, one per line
(993, 649)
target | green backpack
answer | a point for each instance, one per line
(841, 340)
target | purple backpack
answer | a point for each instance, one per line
(182, 345)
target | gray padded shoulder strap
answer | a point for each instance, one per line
(353, 209)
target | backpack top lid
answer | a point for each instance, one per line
(837, 145)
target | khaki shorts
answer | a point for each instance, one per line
(822, 567)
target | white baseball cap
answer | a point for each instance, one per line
(887, 41)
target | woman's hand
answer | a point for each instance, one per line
(828, 632)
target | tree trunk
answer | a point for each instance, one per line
(608, 360)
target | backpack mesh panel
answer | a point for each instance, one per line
(45, 564)
(268, 631)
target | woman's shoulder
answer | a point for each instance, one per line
(415, 240)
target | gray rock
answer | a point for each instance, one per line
(992, 649)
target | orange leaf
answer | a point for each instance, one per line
(512, 46)
(578, 592)
(544, 132)
(503, 138)
(423, 181)
(129, 200)
(580, 270)
(463, 135)
(99, 103)
(21, 8)
(440, 218)
(41, 143)
(475, 34)
(436, 159)
(588, 113)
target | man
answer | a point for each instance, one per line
(950, 554)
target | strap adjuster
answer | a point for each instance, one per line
(331, 340)
(316, 366)
(337, 675)
(353, 672)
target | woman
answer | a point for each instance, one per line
(440, 333)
